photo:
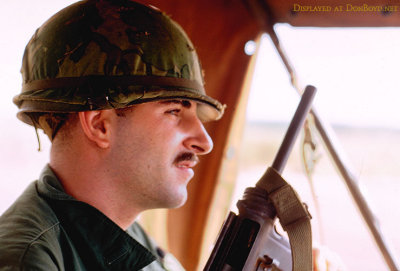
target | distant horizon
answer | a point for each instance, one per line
(346, 126)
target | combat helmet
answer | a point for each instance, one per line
(103, 54)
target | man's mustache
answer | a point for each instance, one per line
(186, 156)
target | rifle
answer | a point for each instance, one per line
(248, 241)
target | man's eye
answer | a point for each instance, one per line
(173, 111)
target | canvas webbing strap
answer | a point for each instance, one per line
(127, 80)
(293, 216)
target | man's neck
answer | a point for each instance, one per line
(85, 178)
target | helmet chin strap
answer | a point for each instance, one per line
(37, 134)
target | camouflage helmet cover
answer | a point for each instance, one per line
(110, 54)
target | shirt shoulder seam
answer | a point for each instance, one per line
(32, 242)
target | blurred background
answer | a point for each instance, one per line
(356, 73)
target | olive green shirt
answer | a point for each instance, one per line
(47, 229)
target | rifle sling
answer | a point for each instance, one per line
(293, 216)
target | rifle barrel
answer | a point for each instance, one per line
(294, 128)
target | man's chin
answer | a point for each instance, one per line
(179, 200)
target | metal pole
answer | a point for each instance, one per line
(294, 129)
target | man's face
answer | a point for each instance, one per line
(156, 145)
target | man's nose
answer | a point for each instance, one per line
(198, 141)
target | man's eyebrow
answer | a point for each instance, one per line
(184, 103)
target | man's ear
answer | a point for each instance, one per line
(96, 126)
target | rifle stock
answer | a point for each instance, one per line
(248, 241)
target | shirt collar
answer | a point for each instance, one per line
(102, 242)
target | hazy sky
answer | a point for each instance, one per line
(355, 71)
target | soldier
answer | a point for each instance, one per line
(118, 89)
